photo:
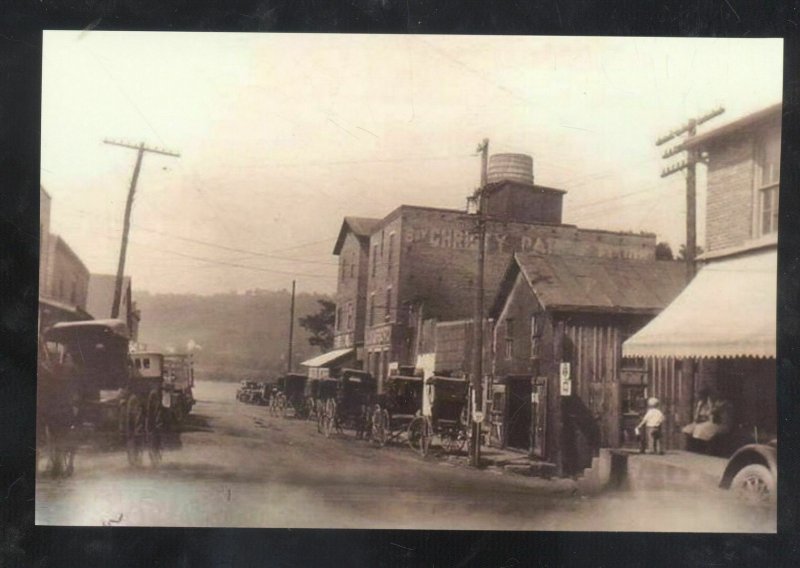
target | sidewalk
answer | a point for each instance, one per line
(676, 468)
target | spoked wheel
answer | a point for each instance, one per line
(380, 427)
(755, 485)
(60, 453)
(420, 433)
(454, 441)
(329, 422)
(134, 430)
(154, 426)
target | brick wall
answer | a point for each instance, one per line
(729, 201)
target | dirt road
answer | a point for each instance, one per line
(238, 467)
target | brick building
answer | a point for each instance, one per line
(64, 284)
(421, 262)
(721, 330)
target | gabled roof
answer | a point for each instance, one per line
(100, 297)
(361, 227)
(702, 140)
(592, 284)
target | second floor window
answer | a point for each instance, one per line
(388, 309)
(536, 335)
(374, 259)
(352, 266)
(768, 172)
(372, 309)
(390, 258)
(350, 316)
(338, 319)
(509, 343)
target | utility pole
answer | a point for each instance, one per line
(479, 198)
(689, 163)
(291, 329)
(140, 150)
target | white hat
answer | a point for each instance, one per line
(652, 402)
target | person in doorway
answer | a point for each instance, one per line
(651, 422)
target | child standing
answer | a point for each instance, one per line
(652, 421)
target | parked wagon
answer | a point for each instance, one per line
(396, 409)
(179, 382)
(91, 392)
(291, 389)
(349, 408)
(444, 415)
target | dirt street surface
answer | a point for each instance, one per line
(236, 466)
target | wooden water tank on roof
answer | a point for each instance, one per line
(516, 168)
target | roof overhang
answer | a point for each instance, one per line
(728, 310)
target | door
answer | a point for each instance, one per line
(538, 416)
(519, 413)
(633, 403)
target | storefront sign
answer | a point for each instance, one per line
(379, 335)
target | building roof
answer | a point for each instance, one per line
(753, 119)
(61, 243)
(100, 297)
(361, 227)
(592, 284)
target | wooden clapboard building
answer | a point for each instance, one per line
(566, 317)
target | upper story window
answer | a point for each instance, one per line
(768, 171)
(339, 318)
(350, 316)
(372, 309)
(536, 334)
(388, 310)
(390, 253)
(343, 268)
(509, 344)
(352, 265)
(374, 259)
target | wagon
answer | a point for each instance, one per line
(349, 408)
(444, 416)
(178, 382)
(91, 393)
(396, 409)
(291, 389)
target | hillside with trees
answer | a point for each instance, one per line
(238, 336)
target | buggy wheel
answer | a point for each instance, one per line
(154, 426)
(419, 435)
(60, 454)
(134, 430)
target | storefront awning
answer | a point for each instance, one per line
(327, 359)
(728, 310)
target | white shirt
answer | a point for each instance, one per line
(652, 418)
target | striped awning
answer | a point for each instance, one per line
(728, 310)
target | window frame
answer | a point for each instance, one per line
(767, 188)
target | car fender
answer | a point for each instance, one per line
(750, 454)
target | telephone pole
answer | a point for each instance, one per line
(140, 150)
(478, 199)
(688, 164)
(291, 329)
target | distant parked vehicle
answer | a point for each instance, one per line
(446, 417)
(178, 383)
(293, 390)
(248, 391)
(752, 473)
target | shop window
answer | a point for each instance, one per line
(768, 168)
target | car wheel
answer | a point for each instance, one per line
(754, 484)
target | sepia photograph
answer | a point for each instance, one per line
(425, 282)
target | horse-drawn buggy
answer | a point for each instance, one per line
(289, 394)
(350, 406)
(92, 391)
(396, 408)
(444, 415)
(178, 382)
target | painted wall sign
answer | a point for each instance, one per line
(379, 335)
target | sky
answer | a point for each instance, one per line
(282, 135)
